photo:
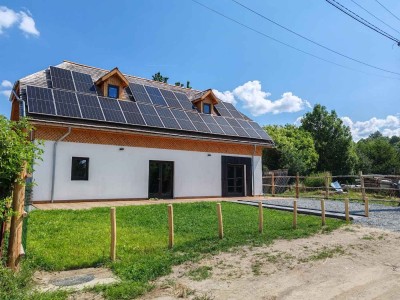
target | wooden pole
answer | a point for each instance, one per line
(326, 185)
(366, 207)
(297, 186)
(346, 209)
(294, 214)
(362, 185)
(15, 238)
(113, 246)
(272, 183)
(220, 222)
(260, 217)
(170, 226)
(323, 212)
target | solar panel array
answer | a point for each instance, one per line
(74, 96)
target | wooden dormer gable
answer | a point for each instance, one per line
(113, 78)
(206, 97)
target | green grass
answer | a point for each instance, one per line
(200, 273)
(66, 239)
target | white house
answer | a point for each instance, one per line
(109, 136)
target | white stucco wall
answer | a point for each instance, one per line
(115, 174)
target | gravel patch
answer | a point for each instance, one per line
(380, 216)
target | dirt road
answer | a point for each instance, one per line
(351, 263)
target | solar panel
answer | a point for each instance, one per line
(62, 79)
(167, 118)
(90, 107)
(40, 100)
(132, 113)
(155, 96)
(225, 126)
(212, 124)
(83, 83)
(249, 129)
(112, 111)
(261, 132)
(186, 125)
(66, 104)
(235, 114)
(150, 115)
(180, 115)
(222, 110)
(184, 101)
(139, 93)
(170, 99)
(198, 122)
(236, 126)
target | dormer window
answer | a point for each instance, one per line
(206, 108)
(113, 91)
(113, 84)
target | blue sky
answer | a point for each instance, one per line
(269, 82)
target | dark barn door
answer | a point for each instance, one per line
(161, 179)
(236, 176)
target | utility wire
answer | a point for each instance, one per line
(388, 10)
(288, 45)
(311, 41)
(368, 12)
(362, 20)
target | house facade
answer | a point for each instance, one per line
(112, 136)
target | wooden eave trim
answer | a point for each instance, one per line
(210, 93)
(141, 132)
(113, 72)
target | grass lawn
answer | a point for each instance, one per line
(66, 239)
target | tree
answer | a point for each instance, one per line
(378, 155)
(160, 78)
(15, 149)
(294, 149)
(332, 139)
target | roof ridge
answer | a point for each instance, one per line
(146, 79)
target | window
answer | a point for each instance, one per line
(113, 91)
(80, 168)
(206, 108)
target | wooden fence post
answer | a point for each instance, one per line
(15, 238)
(113, 247)
(297, 186)
(170, 226)
(326, 185)
(260, 217)
(294, 214)
(220, 222)
(323, 212)
(272, 183)
(346, 209)
(366, 207)
(362, 183)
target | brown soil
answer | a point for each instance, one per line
(350, 263)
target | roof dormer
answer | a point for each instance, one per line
(112, 84)
(205, 101)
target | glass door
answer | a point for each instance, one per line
(161, 179)
(235, 180)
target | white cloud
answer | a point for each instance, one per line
(6, 84)
(28, 24)
(9, 18)
(256, 100)
(6, 93)
(388, 126)
(225, 96)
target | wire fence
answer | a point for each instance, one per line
(369, 187)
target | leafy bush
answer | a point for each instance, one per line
(317, 180)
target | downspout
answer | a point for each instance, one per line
(252, 169)
(53, 175)
(20, 101)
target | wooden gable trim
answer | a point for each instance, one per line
(208, 93)
(113, 72)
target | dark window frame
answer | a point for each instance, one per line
(207, 105)
(79, 177)
(108, 91)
